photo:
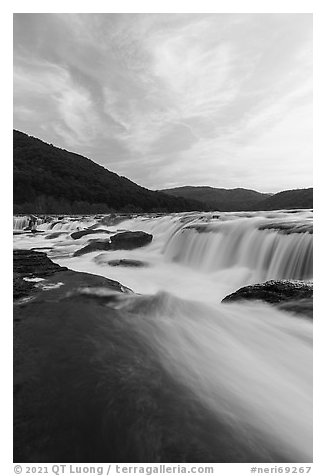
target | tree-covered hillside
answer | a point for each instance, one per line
(52, 180)
(299, 198)
(240, 199)
(221, 199)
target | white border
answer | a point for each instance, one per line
(155, 6)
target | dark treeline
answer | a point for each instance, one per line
(52, 180)
(50, 205)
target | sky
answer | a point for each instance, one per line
(168, 100)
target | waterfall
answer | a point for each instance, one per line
(270, 254)
(22, 222)
(247, 364)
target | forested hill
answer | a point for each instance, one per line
(299, 198)
(52, 180)
(238, 199)
(220, 198)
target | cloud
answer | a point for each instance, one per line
(216, 99)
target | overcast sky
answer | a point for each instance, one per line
(172, 99)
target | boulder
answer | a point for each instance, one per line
(127, 240)
(294, 296)
(79, 234)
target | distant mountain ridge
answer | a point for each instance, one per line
(240, 199)
(298, 198)
(52, 180)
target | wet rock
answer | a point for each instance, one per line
(294, 296)
(30, 263)
(128, 263)
(288, 227)
(57, 222)
(94, 245)
(21, 288)
(300, 306)
(201, 228)
(55, 235)
(38, 248)
(112, 220)
(127, 240)
(79, 234)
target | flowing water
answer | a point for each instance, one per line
(248, 362)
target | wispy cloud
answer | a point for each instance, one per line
(172, 99)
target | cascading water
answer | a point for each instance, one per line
(250, 364)
(67, 225)
(269, 254)
(22, 222)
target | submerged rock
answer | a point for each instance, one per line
(94, 245)
(202, 228)
(55, 235)
(128, 263)
(294, 296)
(112, 220)
(127, 240)
(288, 227)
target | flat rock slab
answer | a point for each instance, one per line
(127, 240)
(34, 263)
(294, 296)
(21, 288)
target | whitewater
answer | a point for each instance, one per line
(249, 363)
